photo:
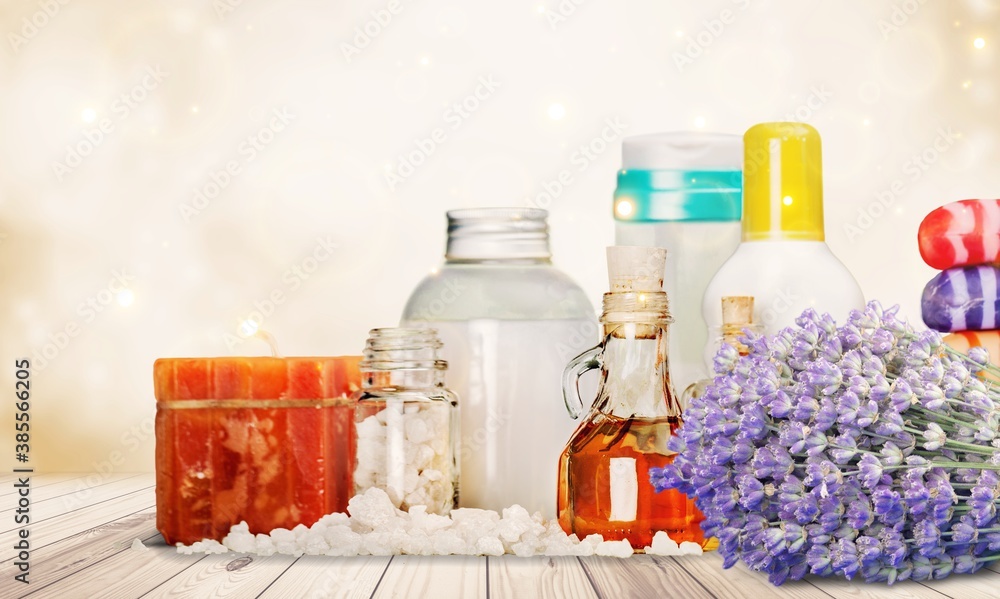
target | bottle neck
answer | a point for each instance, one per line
(498, 235)
(636, 365)
(402, 357)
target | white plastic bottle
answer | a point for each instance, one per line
(681, 191)
(783, 260)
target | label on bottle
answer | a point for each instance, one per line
(624, 489)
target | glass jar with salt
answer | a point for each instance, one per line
(406, 421)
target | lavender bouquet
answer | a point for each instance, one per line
(868, 449)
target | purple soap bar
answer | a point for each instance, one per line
(964, 298)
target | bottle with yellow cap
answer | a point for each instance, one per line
(783, 260)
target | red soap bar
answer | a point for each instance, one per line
(224, 460)
(961, 233)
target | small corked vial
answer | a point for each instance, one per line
(737, 314)
(737, 317)
(406, 421)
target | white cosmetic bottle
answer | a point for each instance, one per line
(783, 260)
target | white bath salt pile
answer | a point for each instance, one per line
(414, 466)
(138, 546)
(376, 527)
(664, 545)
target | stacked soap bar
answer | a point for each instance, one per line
(989, 340)
(962, 239)
(265, 440)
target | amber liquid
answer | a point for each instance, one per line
(586, 473)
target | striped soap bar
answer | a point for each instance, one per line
(962, 299)
(961, 233)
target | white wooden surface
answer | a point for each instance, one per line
(82, 531)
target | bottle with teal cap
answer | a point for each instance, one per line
(783, 260)
(681, 191)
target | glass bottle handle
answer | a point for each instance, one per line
(588, 360)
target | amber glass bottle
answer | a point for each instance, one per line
(604, 482)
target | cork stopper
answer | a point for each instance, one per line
(737, 310)
(636, 268)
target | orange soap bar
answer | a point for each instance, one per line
(265, 440)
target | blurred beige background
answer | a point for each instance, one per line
(165, 167)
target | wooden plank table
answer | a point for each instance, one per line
(82, 531)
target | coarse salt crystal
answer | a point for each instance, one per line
(489, 546)
(615, 549)
(374, 527)
(689, 548)
(663, 545)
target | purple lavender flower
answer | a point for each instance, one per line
(934, 437)
(870, 471)
(889, 506)
(865, 450)
(893, 547)
(751, 492)
(845, 558)
(928, 538)
(867, 412)
(819, 560)
(848, 406)
(825, 475)
(823, 376)
(965, 530)
(966, 564)
(859, 512)
(901, 395)
(805, 410)
(982, 500)
(882, 342)
(980, 356)
(778, 404)
(851, 364)
(889, 423)
(879, 386)
(843, 448)
(869, 548)
(922, 568)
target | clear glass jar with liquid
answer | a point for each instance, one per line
(509, 321)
